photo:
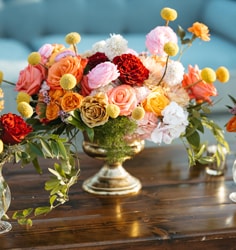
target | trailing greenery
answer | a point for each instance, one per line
(198, 122)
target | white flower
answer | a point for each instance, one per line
(115, 46)
(174, 73)
(173, 114)
(175, 120)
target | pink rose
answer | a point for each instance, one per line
(123, 96)
(158, 37)
(102, 74)
(30, 79)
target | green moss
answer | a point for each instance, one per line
(111, 137)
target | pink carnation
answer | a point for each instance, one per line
(102, 74)
(158, 37)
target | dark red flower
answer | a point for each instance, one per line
(13, 129)
(132, 71)
(96, 59)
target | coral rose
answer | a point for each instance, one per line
(69, 64)
(30, 79)
(13, 129)
(71, 101)
(156, 101)
(196, 88)
(124, 96)
(231, 125)
(132, 71)
(93, 110)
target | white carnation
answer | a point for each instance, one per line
(174, 73)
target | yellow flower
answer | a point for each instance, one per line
(1, 93)
(156, 101)
(25, 109)
(23, 97)
(171, 48)
(1, 105)
(222, 74)
(68, 81)
(34, 58)
(113, 110)
(169, 14)
(73, 38)
(138, 113)
(208, 75)
(1, 146)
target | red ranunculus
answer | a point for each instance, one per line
(132, 71)
(13, 129)
(96, 59)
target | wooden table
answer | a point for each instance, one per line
(177, 208)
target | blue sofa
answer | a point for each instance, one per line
(25, 25)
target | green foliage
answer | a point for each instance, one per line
(198, 122)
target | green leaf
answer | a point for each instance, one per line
(37, 166)
(194, 139)
(52, 200)
(51, 184)
(42, 210)
(62, 150)
(35, 149)
(46, 148)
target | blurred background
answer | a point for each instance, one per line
(25, 25)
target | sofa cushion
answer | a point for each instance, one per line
(220, 16)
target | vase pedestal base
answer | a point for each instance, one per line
(112, 182)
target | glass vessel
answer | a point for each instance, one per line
(232, 196)
(5, 200)
(112, 179)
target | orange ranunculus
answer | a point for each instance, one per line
(71, 101)
(124, 96)
(156, 101)
(56, 95)
(52, 111)
(200, 30)
(231, 125)
(197, 88)
(70, 64)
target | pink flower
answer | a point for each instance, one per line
(102, 74)
(124, 97)
(156, 39)
(147, 125)
(45, 51)
(30, 79)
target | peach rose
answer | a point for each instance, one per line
(156, 101)
(71, 101)
(52, 111)
(93, 110)
(56, 95)
(124, 96)
(30, 79)
(69, 64)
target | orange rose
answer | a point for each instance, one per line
(156, 101)
(52, 111)
(124, 96)
(231, 125)
(69, 64)
(56, 95)
(71, 101)
(200, 30)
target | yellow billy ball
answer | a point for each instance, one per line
(208, 75)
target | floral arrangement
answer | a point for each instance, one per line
(115, 95)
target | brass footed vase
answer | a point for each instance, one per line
(112, 179)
